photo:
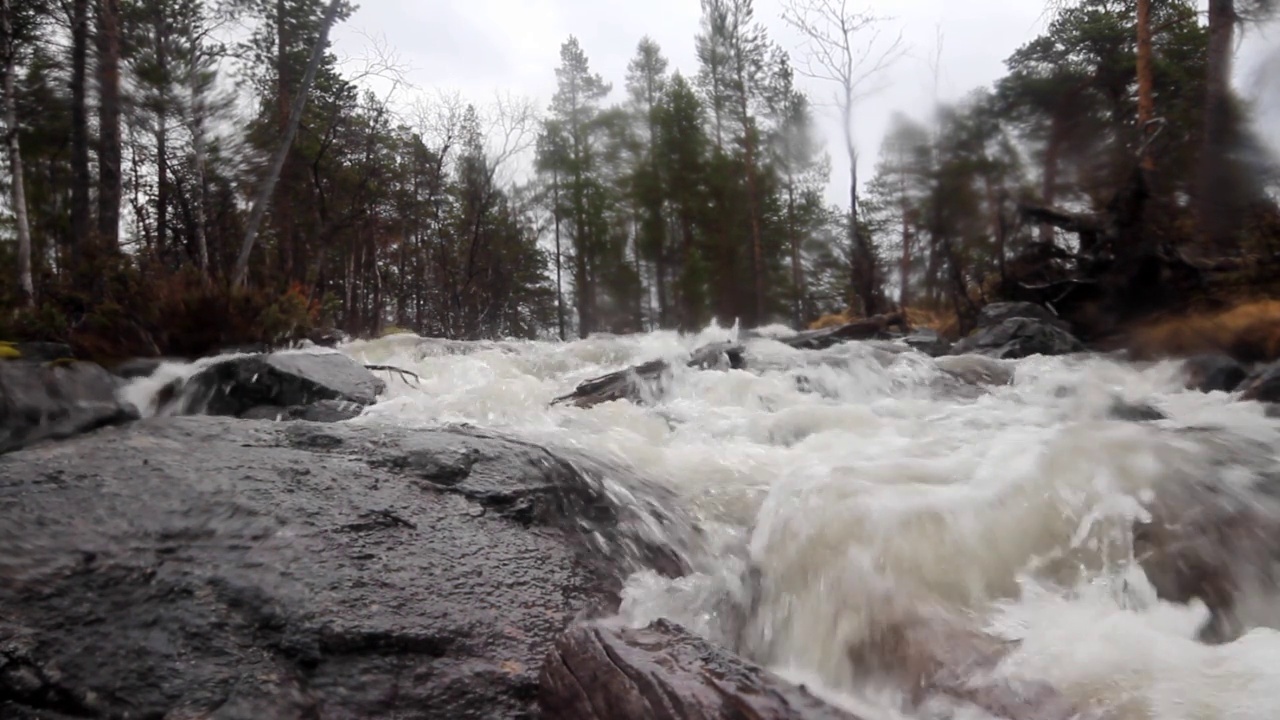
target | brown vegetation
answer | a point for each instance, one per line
(1248, 331)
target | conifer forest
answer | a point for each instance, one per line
(180, 175)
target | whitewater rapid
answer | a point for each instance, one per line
(865, 478)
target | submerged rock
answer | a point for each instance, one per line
(1019, 337)
(209, 567)
(596, 672)
(976, 369)
(928, 342)
(277, 382)
(1263, 386)
(41, 401)
(1210, 373)
(996, 313)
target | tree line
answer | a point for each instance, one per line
(173, 189)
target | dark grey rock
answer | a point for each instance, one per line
(996, 313)
(322, 411)
(1263, 385)
(1019, 337)
(1134, 412)
(281, 380)
(328, 337)
(1209, 373)
(210, 567)
(928, 342)
(42, 401)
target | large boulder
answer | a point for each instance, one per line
(1263, 385)
(41, 401)
(244, 385)
(1212, 372)
(996, 313)
(216, 568)
(1019, 337)
(928, 341)
(596, 672)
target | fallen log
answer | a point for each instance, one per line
(866, 329)
(664, 672)
(626, 384)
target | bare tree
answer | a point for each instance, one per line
(18, 188)
(277, 161)
(835, 53)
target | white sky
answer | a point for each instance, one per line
(479, 47)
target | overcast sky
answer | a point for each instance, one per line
(477, 47)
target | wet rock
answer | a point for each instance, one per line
(928, 342)
(1019, 337)
(596, 672)
(1134, 412)
(1215, 541)
(322, 411)
(210, 567)
(635, 382)
(328, 337)
(278, 381)
(876, 326)
(976, 369)
(42, 401)
(996, 313)
(35, 351)
(1212, 373)
(1263, 385)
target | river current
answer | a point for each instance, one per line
(866, 479)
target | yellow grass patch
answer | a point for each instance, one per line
(1248, 331)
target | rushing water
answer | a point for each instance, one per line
(865, 481)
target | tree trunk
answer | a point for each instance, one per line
(1049, 182)
(79, 130)
(753, 203)
(1214, 196)
(1146, 101)
(555, 212)
(861, 257)
(797, 272)
(162, 132)
(109, 186)
(17, 185)
(198, 150)
(261, 201)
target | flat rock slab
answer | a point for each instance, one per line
(203, 567)
(664, 672)
(42, 401)
(287, 379)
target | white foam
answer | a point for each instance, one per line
(1013, 503)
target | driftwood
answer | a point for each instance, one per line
(664, 672)
(626, 384)
(867, 329)
(404, 374)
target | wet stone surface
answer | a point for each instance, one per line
(216, 568)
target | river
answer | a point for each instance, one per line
(865, 480)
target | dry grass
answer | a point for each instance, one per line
(944, 322)
(1248, 331)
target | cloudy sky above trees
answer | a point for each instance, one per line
(479, 47)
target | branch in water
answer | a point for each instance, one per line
(404, 374)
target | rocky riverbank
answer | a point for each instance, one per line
(169, 549)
